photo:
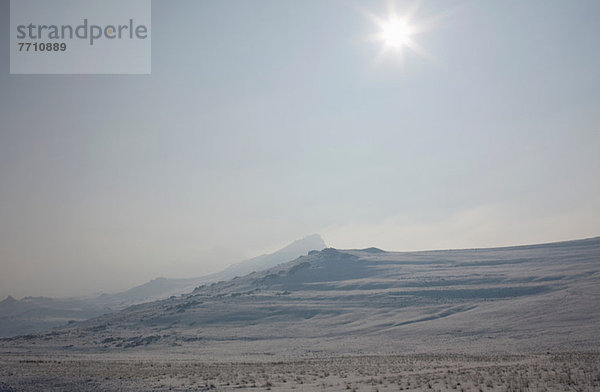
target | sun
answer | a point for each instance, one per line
(396, 33)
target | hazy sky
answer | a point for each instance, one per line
(265, 120)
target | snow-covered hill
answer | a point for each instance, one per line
(531, 298)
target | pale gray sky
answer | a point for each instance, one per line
(267, 120)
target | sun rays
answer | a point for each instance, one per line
(397, 32)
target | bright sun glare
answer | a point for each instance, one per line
(395, 33)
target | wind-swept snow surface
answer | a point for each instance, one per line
(516, 299)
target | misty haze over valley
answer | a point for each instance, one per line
(37, 314)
